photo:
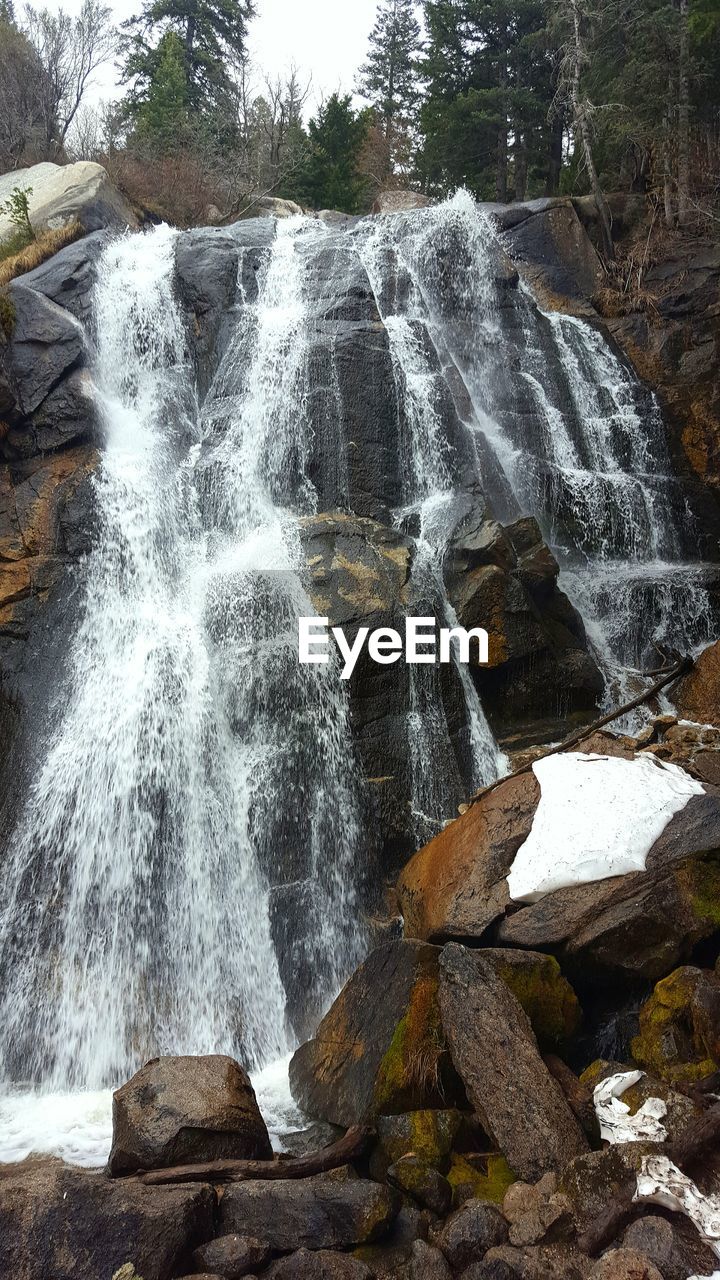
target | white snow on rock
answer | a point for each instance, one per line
(616, 1123)
(661, 1182)
(598, 816)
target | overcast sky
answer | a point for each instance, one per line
(324, 38)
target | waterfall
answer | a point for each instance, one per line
(433, 477)
(564, 431)
(147, 910)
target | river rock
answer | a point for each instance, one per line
(232, 1256)
(61, 194)
(185, 1110)
(671, 1244)
(422, 1181)
(313, 1213)
(380, 1048)
(63, 1222)
(495, 1053)
(322, 1265)
(625, 1264)
(470, 1232)
(535, 1262)
(679, 1032)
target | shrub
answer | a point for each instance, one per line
(29, 256)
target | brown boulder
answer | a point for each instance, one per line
(473, 1229)
(456, 886)
(380, 1047)
(679, 1033)
(232, 1256)
(625, 1264)
(305, 1265)
(495, 1053)
(314, 1213)
(185, 1110)
(63, 1222)
(697, 696)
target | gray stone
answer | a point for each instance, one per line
(315, 1213)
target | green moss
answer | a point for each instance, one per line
(668, 1042)
(467, 1181)
(409, 1073)
(7, 315)
(705, 890)
(546, 996)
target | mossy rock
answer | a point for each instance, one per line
(411, 1067)
(488, 1182)
(679, 1035)
(427, 1134)
(546, 996)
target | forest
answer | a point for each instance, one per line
(513, 99)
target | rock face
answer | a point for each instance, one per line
(324, 1213)
(697, 696)
(380, 1047)
(60, 194)
(186, 1110)
(679, 1026)
(495, 1052)
(64, 1222)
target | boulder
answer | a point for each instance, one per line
(63, 1222)
(380, 1048)
(697, 696)
(322, 1265)
(470, 1232)
(625, 1264)
(61, 194)
(272, 207)
(428, 1134)
(314, 1213)
(553, 252)
(185, 1110)
(480, 1176)
(419, 1179)
(232, 1256)
(680, 1110)
(495, 1053)
(456, 886)
(545, 995)
(679, 1033)
(427, 1263)
(672, 1244)
(534, 1262)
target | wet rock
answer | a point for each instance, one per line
(68, 278)
(46, 342)
(232, 1256)
(470, 1232)
(679, 1035)
(551, 249)
(697, 696)
(427, 1263)
(495, 1053)
(380, 1048)
(625, 1264)
(60, 1221)
(184, 1110)
(322, 1265)
(390, 1255)
(429, 1134)
(425, 1184)
(314, 1213)
(456, 885)
(67, 415)
(591, 1182)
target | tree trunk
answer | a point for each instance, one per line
(557, 133)
(667, 160)
(521, 165)
(684, 120)
(582, 125)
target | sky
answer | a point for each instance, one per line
(326, 39)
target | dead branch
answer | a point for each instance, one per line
(350, 1147)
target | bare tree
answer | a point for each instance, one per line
(70, 50)
(22, 93)
(683, 176)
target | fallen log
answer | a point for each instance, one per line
(700, 1136)
(350, 1147)
(683, 666)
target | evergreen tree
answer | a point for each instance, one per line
(7, 13)
(210, 33)
(162, 118)
(388, 80)
(331, 179)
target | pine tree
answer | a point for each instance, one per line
(163, 117)
(210, 32)
(388, 80)
(331, 179)
(7, 13)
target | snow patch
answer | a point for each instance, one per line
(598, 816)
(661, 1182)
(616, 1123)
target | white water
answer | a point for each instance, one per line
(145, 910)
(597, 476)
(431, 485)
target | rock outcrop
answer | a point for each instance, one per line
(61, 194)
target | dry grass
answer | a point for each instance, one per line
(38, 251)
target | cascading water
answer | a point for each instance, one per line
(564, 431)
(431, 485)
(188, 747)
